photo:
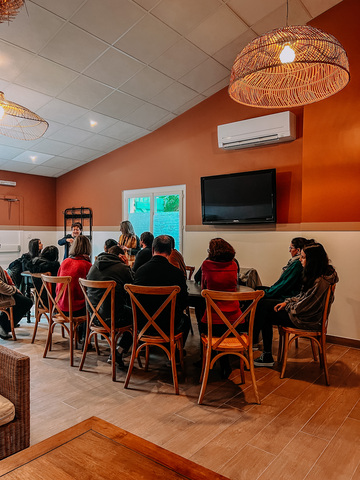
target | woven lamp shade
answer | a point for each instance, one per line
(9, 9)
(320, 69)
(20, 122)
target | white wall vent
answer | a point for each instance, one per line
(254, 132)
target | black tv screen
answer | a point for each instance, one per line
(239, 198)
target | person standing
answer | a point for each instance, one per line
(67, 241)
(129, 241)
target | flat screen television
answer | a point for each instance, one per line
(239, 198)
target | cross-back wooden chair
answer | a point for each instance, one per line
(110, 333)
(287, 335)
(143, 336)
(57, 315)
(231, 342)
(189, 270)
(41, 306)
(10, 314)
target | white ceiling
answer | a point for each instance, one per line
(128, 66)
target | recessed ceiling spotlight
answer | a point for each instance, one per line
(93, 123)
(33, 157)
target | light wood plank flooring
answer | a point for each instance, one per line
(301, 430)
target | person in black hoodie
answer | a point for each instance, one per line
(113, 266)
(47, 261)
(22, 264)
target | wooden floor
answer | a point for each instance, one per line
(302, 429)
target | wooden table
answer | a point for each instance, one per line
(194, 290)
(95, 449)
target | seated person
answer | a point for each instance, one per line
(146, 239)
(22, 264)
(303, 311)
(290, 280)
(176, 258)
(220, 272)
(77, 265)
(10, 296)
(47, 261)
(67, 241)
(110, 242)
(159, 272)
(112, 265)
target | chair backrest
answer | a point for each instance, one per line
(54, 298)
(150, 319)
(189, 271)
(92, 311)
(40, 290)
(328, 302)
(211, 296)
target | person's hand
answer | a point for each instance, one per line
(124, 259)
(280, 306)
(124, 248)
(70, 240)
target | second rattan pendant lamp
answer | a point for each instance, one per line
(289, 67)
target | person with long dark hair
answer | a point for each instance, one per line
(22, 264)
(129, 241)
(303, 311)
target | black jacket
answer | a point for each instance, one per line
(159, 272)
(110, 267)
(142, 257)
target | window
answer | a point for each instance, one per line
(157, 210)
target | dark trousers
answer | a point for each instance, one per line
(266, 317)
(21, 307)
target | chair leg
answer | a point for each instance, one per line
(281, 347)
(72, 334)
(37, 320)
(253, 379)
(131, 364)
(11, 318)
(285, 354)
(313, 348)
(204, 374)
(173, 368)
(86, 344)
(324, 359)
(242, 372)
(113, 360)
(49, 338)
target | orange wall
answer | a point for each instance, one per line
(331, 150)
(180, 153)
(36, 205)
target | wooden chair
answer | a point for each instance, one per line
(231, 342)
(189, 271)
(41, 308)
(57, 315)
(9, 313)
(144, 338)
(316, 337)
(110, 333)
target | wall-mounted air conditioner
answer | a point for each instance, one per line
(254, 132)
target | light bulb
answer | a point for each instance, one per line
(2, 112)
(287, 55)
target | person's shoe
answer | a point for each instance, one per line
(118, 359)
(4, 334)
(265, 360)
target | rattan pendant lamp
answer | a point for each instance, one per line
(289, 67)
(20, 122)
(9, 9)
